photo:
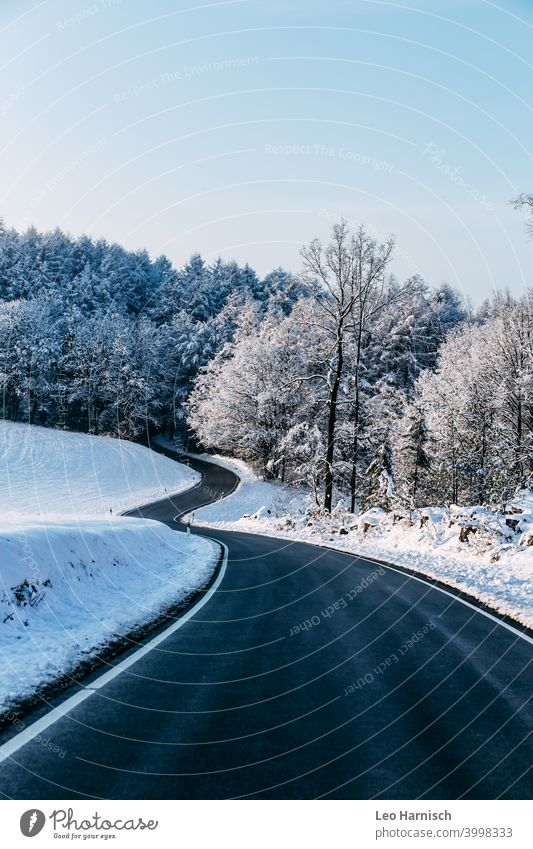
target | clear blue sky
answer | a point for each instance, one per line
(245, 128)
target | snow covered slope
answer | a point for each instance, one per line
(73, 576)
(45, 471)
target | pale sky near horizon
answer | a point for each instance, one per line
(245, 128)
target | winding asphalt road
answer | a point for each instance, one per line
(299, 678)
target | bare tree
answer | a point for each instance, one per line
(371, 296)
(333, 267)
(350, 272)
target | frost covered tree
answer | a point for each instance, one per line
(378, 481)
(331, 363)
(412, 459)
(302, 451)
(346, 279)
(513, 376)
(330, 273)
(372, 294)
(283, 291)
(97, 337)
(304, 376)
(234, 405)
(478, 406)
(257, 388)
(30, 343)
(355, 292)
(458, 399)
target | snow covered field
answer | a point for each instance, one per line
(45, 472)
(74, 577)
(488, 555)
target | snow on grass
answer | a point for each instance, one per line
(73, 576)
(45, 472)
(486, 554)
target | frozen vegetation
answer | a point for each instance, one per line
(393, 399)
(390, 397)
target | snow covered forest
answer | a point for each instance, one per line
(377, 392)
(105, 341)
(367, 389)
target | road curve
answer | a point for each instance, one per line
(309, 673)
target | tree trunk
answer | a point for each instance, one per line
(481, 488)
(332, 416)
(518, 461)
(355, 447)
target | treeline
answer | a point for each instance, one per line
(103, 340)
(375, 392)
(369, 390)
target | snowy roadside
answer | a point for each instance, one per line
(253, 498)
(487, 555)
(75, 577)
(72, 588)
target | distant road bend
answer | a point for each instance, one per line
(298, 678)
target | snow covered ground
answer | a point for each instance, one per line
(71, 587)
(252, 495)
(74, 577)
(45, 472)
(486, 554)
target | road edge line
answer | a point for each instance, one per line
(29, 733)
(476, 604)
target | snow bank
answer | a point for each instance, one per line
(484, 553)
(471, 549)
(69, 588)
(46, 472)
(73, 576)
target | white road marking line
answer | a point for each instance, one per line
(428, 582)
(40, 725)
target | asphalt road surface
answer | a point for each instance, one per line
(308, 673)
